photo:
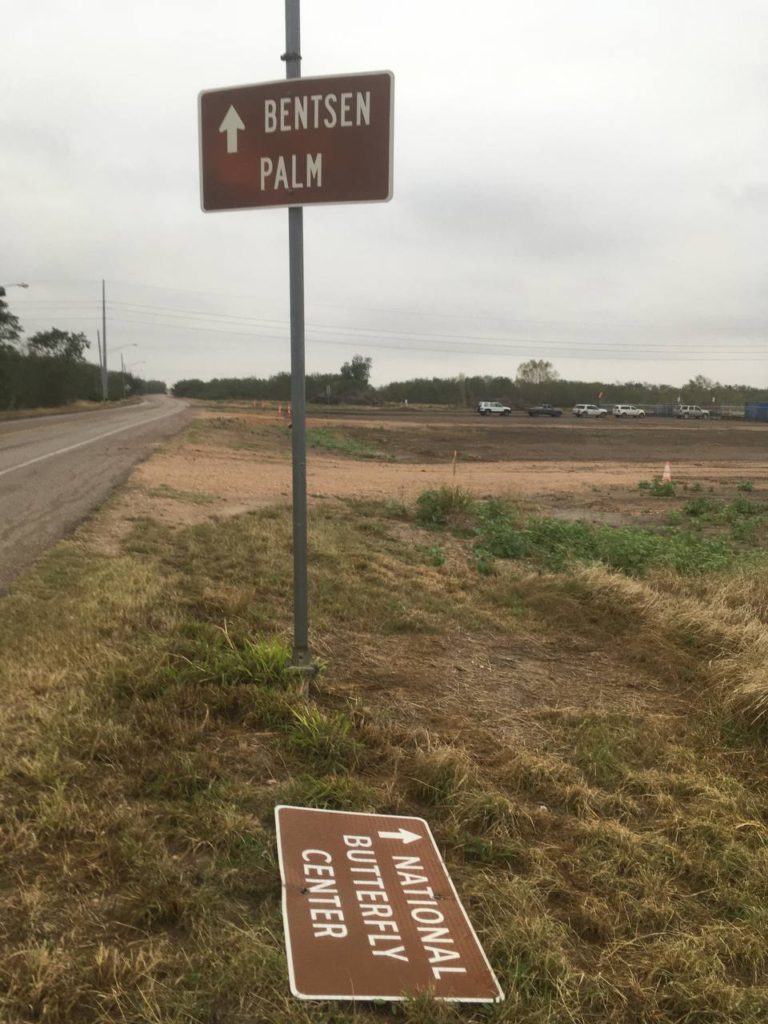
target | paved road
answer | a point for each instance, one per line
(56, 469)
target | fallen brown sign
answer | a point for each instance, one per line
(370, 911)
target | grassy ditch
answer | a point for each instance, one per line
(613, 860)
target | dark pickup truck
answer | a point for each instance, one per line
(545, 410)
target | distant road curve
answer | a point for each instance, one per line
(54, 470)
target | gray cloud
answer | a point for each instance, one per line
(580, 182)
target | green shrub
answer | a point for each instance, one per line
(499, 530)
(658, 488)
(554, 544)
(702, 506)
(435, 555)
(437, 508)
(484, 562)
(742, 506)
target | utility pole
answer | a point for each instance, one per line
(104, 376)
(101, 364)
(302, 657)
(122, 373)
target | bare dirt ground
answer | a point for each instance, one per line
(481, 439)
(589, 468)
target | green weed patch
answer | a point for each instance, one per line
(340, 443)
(554, 544)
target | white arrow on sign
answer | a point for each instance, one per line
(403, 834)
(231, 125)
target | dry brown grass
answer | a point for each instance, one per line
(602, 812)
(717, 636)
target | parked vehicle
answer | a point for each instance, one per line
(585, 409)
(493, 409)
(691, 412)
(622, 411)
(545, 410)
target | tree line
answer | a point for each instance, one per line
(350, 385)
(50, 369)
(535, 381)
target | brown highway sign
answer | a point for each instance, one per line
(370, 911)
(297, 142)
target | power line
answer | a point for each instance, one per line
(374, 337)
(468, 343)
(517, 349)
(390, 310)
(175, 311)
(207, 314)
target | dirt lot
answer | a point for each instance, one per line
(235, 461)
(425, 438)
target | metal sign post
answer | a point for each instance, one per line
(302, 658)
(295, 143)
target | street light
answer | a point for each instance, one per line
(103, 362)
(17, 284)
(123, 367)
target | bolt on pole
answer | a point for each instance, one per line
(302, 657)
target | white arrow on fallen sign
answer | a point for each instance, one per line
(403, 834)
(231, 124)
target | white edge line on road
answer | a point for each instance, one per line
(92, 440)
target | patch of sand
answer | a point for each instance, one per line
(242, 480)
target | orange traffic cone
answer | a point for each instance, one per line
(666, 476)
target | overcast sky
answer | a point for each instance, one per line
(581, 182)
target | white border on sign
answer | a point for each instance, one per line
(292, 206)
(387, 998)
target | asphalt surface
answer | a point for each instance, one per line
(55, 470)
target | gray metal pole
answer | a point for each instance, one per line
(101, 362)
(302, 657)
(104, 376)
